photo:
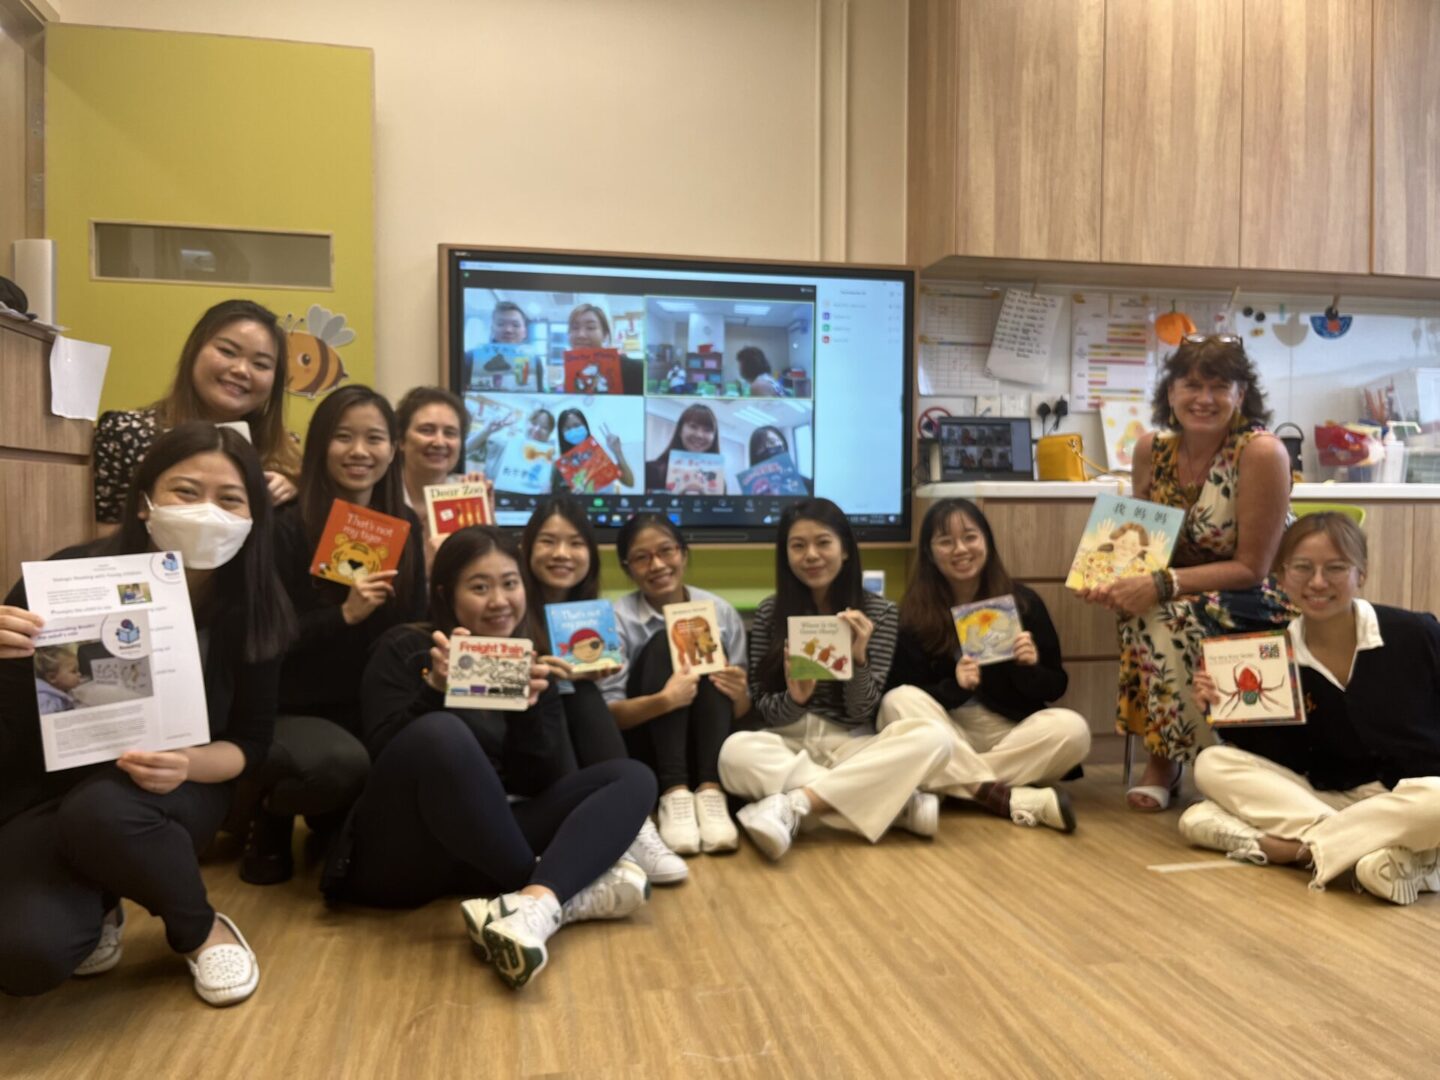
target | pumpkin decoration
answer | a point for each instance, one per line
(1173, 326)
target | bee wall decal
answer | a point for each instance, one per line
(315, 367)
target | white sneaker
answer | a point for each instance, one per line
(616, 893)
(717, 830)
(516, 940)
(1398, 874)
(226, 974)
(678, 827)
(1206, 825)
(773, 822)
(661, 865)
(921, 814)
(478, 914)
(1031, 806)
(106, 954)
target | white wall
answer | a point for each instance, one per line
(672, 126)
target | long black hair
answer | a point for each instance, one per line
(568, 509)
(757, 443)
(246, 588)
(793, 596)
(702, 412)
(318, 490)
(460, 549)
(925, 607)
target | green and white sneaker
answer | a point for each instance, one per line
(618, 892)
(480, 913)
(516, 939)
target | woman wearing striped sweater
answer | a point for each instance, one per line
(817, 757)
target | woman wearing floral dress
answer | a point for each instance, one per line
(1212, 457)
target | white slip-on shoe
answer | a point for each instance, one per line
(1031, 806)
(1206, 825)
(678, 827)
(921, 814)
(772, 822)
(1397, 874)
(107, 952)
(516, 942)
(226, 974)
(717, 830)
(618, 892)
(661, 865)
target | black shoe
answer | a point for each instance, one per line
(269, 857)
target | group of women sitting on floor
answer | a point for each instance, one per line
(328, 701)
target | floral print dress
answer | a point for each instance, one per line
(1159, 649)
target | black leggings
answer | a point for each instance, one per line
(67, 862)
(593, 732)
(315, 768)
(435, 821)
(683, 747)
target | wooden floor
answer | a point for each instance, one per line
(991, 951)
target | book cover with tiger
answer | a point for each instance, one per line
(450, 507)
(692, 631)
(357, 542)
(819, 648)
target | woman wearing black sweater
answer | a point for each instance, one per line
(317, 765)
(436, 817)
(75, 842)
(1005, 736)
(1358, 785)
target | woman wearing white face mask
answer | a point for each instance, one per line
(74, 843)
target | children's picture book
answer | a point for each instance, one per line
(695, 474)
(1258, 679)
(774, 476)
(693, 633)
(450, 507)
(1122, 422)
(818, 647)
(593, 371)
(987, 629)
(583, 634)
(525, 466)
(1124, 537)
(587, 468)
(497, 366)
(489, 673)
(357, 542)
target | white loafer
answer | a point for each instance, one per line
(226, 974)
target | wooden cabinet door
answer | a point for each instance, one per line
(1030, 84)
(1171, 191)
(1305, 160)
(930, 184)
(1407, 138)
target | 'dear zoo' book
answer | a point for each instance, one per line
(357, 542)
(489, 673)
(818, 647)
(451, 507)
(693, 634)
(987, 629)
(1124, 537)
(583, 634)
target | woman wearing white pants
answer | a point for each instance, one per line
(818, 758)
(1359, 784)
(1005, 742)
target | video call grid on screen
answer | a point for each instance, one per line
(716, 394)
(985, 448)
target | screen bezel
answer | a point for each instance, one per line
(451, 351)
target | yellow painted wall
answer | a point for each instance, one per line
(198, 129)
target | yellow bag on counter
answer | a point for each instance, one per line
(1062, 457)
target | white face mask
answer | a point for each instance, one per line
(205, 535)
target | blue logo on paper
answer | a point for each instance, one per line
(128, 633)
(170, 562)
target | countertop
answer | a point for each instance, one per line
(1051, 489)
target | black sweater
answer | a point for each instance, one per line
(1010, 689)
(239, 698)
(1385, 725)
(321, 673)
(528, 749)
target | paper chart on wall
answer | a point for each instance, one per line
(956, 328)
(1020, 348)
(1112, 349)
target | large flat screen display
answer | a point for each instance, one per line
(714, 392)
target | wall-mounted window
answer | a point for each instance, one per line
(125, 251)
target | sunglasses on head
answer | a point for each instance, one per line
(1201, 339)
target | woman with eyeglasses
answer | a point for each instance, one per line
(675, 721)
(1008, 744)
(1211, 457)
(1358, 785)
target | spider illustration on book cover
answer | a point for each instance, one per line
(1248, 687)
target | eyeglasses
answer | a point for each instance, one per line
(1201, 339)
(1331, 571)
(947, 545)
(641, 560)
